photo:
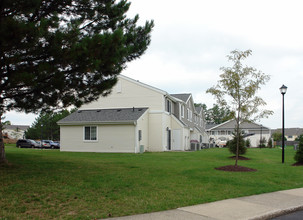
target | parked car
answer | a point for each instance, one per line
(26, 143)
(45, 144)
(35, 143)
(50, 144)
(56, 144)
(221, 142)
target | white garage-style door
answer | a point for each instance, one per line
(176, 140)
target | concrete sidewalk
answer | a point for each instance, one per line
(264, 206)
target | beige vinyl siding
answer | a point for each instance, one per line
(111, 138)
(155, 132)
(142, 124)
(128, 94)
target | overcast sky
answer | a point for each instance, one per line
(192, 38)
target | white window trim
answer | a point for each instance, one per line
(187, 112)
(90, 141)
(168, 106)
(182, 111)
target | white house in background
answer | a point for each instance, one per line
(14, 131)
(253, 131)
(152, 120)
(291, 134)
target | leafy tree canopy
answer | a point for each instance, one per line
(57, 53)
(237, 90)
(277, 136)
(216, 114)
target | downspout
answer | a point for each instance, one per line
(136, 137)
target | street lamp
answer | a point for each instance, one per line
(283, 90)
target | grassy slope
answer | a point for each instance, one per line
(53, 184)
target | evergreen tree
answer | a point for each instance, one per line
(45, 126)
(269, 143)
(262, 143)
(247, 142)
(232, 144)
(54, 54)
(299, 152)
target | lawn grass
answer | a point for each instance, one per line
(47, 184)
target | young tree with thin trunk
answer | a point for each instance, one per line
(58, 53)
(237, 90)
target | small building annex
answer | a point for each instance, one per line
(152, 119)
(102, 130)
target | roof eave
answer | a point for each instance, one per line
(133, 122)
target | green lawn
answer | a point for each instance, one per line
(49, 184)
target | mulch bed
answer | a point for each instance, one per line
(298, 164)
(239, 158)
(233, 168)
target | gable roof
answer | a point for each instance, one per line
(230, 124)
(143, 84)
(290, 131)
(104, 116)
(209, 126)
(198, 109)
(184, 97)
(148, 87)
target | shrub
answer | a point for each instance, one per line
(247, 143)
(299, 153)
(269, 143)
(232, 145)
(262, 143)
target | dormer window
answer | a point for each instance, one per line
(168, 106)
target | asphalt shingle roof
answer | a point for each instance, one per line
(104, 115)
(290, 131)
(184, 97)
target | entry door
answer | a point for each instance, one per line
(168, 139)
(176, 140)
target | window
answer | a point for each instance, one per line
(182, 111)
(168, 106)
(90, 133)
(187, 114)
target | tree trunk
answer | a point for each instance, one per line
(2, 150)
(238, 137)
(238, 143)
